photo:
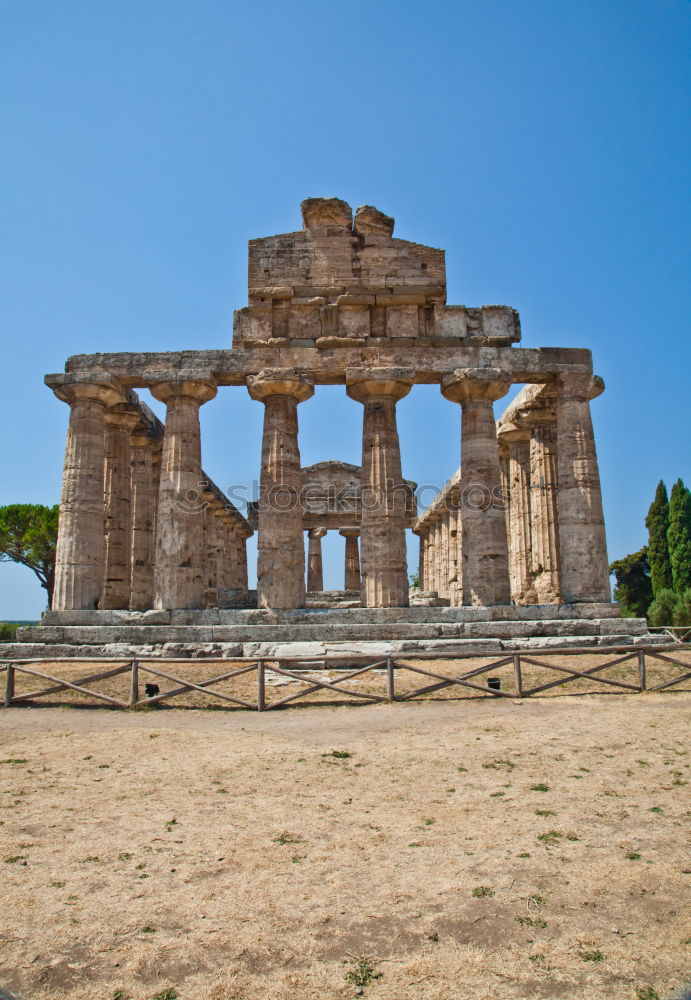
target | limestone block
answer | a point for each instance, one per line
(402, 321)
(500, 324)
(623, 626)
(252, 326)
(304, 322)
(371, 221)
(450, 321)
(353, 321)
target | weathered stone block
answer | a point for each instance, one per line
(402, 321)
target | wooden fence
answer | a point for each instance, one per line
(387, 673)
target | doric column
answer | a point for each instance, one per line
(117, 486)
(421, 558)
(544, 510)
(315, 574)
(383, 519)
(143, 513)
(433, 561)
(582, 546)
(281, 556)
(352, 558)
(517, 442)
(239, 578)
(455, 565)
(79, 558)
(444, 555)
(213, 564)
(485, 557)
(179, 524)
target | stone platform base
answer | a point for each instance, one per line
(336, 632)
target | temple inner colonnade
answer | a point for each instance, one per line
(341, 302)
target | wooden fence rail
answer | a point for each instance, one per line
(392, 666)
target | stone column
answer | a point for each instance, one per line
(352, 558)
(179, 523)
(520, 563)
(582, 546)
(315, 575)
(143, 512)
(485, 556)
(433, 563)
(117, 485)
(421, 558)
(544, 516)
(80, 553)
(383, 518)
(281, 556)
(213, 567)
(444, 556)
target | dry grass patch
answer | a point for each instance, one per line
(428, 851)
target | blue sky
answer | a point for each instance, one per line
(543, 145)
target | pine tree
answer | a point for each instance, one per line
(679, 537)
(658, 554)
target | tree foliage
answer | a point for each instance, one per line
(634, 590)
(682, 609)
(679, 537)
(661, 611)
(28, 535)
(657, 522)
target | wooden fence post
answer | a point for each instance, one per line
(390, 692)
(641, 669)
(517, 674)
(134, 685)
(261, 689)
(9, 685)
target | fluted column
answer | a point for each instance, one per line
(582, 546)
(213, 553)
(315, 573)
(352, 558)
(445, 554)
(117, 486)
(455, 565)
(79, 557)
(544, 511)
(432, 566)
(383, 519)
(179, 523)
(143, 506)
(485, 556)
(281, 556)
(520, 563)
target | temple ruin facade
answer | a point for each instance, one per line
(340, 302)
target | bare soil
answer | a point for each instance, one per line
(467, 849)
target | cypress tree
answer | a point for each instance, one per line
(658, 553)
(679, 537)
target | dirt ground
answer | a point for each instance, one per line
(456, 850)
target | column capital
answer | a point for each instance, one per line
(123, 416)
(75, 388)
(200, 390)
(317, 532)
(511, 434)
(363, 384)
(349, 532)
(466, 384)
(575, 385)
(279, 382)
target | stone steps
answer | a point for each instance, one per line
(335, 616)
(324, 632)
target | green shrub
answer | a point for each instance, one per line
(661, 611)
(8, 632)
(682, 609)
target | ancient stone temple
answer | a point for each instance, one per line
(151, 551)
